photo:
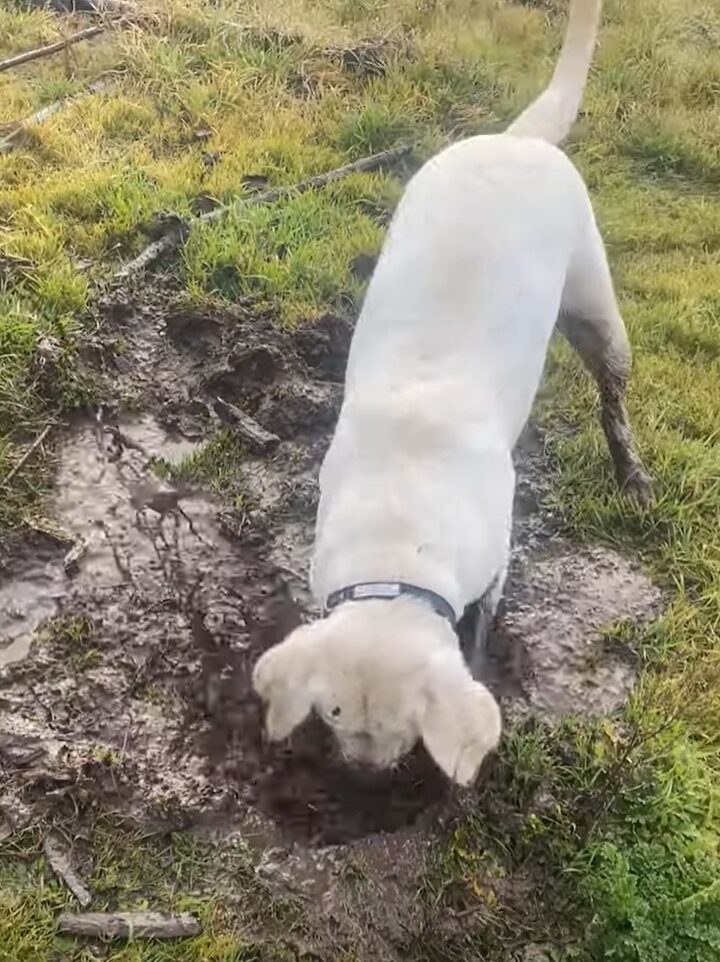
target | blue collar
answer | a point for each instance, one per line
(388, 591)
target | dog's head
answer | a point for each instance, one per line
(382, 675)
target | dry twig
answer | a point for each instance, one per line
(17, 128)
(59, 861)
(71, 561)
(90, 6)
(256, 436)
(33, 447)
(126, 925)
(29, 55)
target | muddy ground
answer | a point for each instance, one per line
(130, 630)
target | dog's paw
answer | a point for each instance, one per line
(639, 488)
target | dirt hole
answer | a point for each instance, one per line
(136, 693)
(144, 666)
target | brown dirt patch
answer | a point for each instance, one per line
(135, 696)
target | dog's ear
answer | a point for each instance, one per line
(460, 725)
(283, 679)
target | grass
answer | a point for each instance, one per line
(599, 840)
(73, 638)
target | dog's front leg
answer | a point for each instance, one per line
(474, 628)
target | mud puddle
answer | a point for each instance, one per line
(97, 506)
(31, 584)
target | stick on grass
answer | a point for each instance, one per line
(33, 447)
(128, 925)
(90, 6)
(51, 48)
(175, 237)
(14, 138)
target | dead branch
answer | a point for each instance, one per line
(33, 447)
(46, 529)
(126, 925)
(250, 431)
(89, 6)
(175, 237)
(17, 128)
(50, 48)
(59, 861)
(71, 561)
(9, 263)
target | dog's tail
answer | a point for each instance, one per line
(551, 116)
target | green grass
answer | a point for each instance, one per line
(291, 258)
(612, 828)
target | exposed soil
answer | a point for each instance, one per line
(135, 695)
(554, 650)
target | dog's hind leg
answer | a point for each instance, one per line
(591, 322)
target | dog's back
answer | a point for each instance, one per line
(468, 287)
(469, 283)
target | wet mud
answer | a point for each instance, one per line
(127, 642)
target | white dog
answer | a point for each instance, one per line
(493, 241)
